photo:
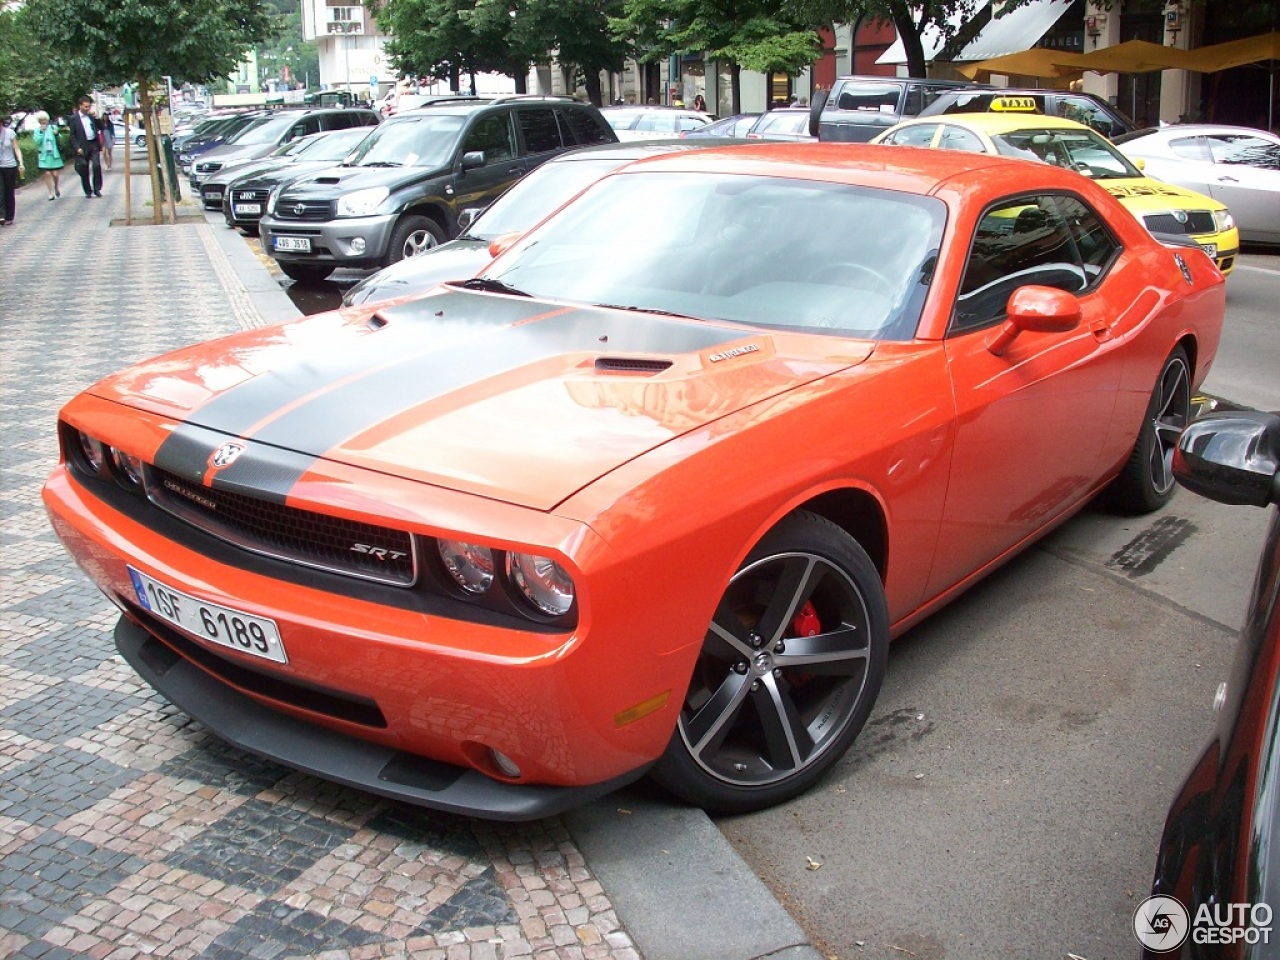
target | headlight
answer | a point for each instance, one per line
(272, 197)
(541, 581)
(471, 566)
(129, 465)
(362, 202)
(1222, 219)
(95, 453)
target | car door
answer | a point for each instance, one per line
(1032, 420)
(540, 136)
(487, 162)
(1246, 177)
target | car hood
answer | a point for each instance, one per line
(456, 260)
(510, 398)
(243, 171)
(1145, 195)
(280, 172)
(236, 151)
(337, 180)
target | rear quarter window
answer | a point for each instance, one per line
(871, 97)
(539, 130)
(585, 127)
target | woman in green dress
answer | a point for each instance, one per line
(48, 156)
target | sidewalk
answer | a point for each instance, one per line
(126, 830)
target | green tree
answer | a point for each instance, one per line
(756, 35)
(32, 75)
(145, 41)
(576, 32)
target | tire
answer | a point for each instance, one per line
(411, 237)
(769, 709)
(1146, 483)
(305, 273)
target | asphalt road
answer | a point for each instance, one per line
(1007, 795)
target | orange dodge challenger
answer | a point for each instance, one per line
(651, 493)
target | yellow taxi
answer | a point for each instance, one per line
(1015, 130)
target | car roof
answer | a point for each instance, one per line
(906, 169)
(640, 149)
(1201, 130)
(996, 122)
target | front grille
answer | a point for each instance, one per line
(304, 210)
(250, 196)
(1197, 221)
(209, 166)
(305, 537)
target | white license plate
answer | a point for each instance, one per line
(1210, 248)
(252, 208)
(209, 621)
(300, 244)
(213, 195)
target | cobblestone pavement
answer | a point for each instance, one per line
(126, 830)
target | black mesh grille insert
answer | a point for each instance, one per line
(289, 533)
(1198, 221)
(304, 210)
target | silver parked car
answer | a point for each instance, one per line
(1238, 166)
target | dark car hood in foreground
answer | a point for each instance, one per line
(337, 180)
(511, 398)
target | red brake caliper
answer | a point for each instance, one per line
(805, 623)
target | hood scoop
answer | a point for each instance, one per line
(327, 180)
(631, 365)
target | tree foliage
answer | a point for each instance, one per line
(33, 76)
(760, 35)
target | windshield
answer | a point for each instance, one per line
(1081, 150)
(744, 249)
(265, 130)
(334, 146)
(426, 141)
(537, 195)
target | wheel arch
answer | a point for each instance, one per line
(1189, 343)
(861, 515)
(432, 212)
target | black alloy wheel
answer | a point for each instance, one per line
(789, 671)
(1146, 483)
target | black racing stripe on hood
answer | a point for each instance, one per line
(337, 415)
(264, 472)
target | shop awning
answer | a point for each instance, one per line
(1017, 31)
(1049, 64)
(1134, 56)
(1235, 53)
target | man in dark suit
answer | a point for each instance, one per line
(85, 148)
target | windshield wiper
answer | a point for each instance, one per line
(492, 286)
(635, 309)
(380, 163)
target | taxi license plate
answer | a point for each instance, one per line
(1210, 248)
(224, 626)
(249, 208)
(213, 195)
(299, 244)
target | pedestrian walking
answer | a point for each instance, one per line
(11, 170)
(48, 156)
(107, 137)
(85, 148)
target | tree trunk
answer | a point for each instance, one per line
(153, 148)
(521, 77)
(592, 80)
(909, 31)
(735, 88)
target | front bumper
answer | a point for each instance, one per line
(335, 243)
(247, 724)
(375, 692)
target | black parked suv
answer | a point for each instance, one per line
(1081, 107)
(859, 108)
(401, 191)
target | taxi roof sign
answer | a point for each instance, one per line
(1015, 105)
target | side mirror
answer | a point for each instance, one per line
(1037, 309)
(500, 245)
(468, 216)
(1231, 457)
(472, 159)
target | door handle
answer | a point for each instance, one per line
(1225, 179)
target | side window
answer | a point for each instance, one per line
(875, 97)
(1084, 110)
(1096, 247)
(584, 126)
(338, 121)
(958, 138)
(916, 135)
(1018, 242)
(539, 130)
(493, 134)
(1189, 148)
